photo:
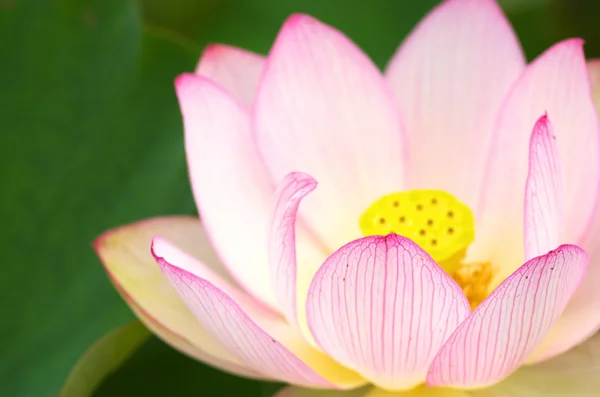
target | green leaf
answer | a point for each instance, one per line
(91, 138)
(157, 370)
(103, 358)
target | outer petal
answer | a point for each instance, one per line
(544, 222)
(382, 306)
(556, 83)
(247, 331)
(289, 286)
(125, 253)
(236, 70)
(232, 192)
(450, 77)
(323, 108)
(573, 374)
(511, 322)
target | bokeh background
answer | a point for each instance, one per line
(91, 138)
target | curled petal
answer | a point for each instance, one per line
(505, 328)
(383, 307)
(282, 244)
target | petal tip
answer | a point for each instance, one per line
(184, 79)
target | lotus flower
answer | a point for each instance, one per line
(450, 248)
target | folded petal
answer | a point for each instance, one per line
(283, 253)
(125, 253)
(381, 306)
(573, 374)
(230, 186)
(235, 69)
(323, 108)
(557, 83)
(499, 335)
(257, 337)
(450, 77)
(544, 222)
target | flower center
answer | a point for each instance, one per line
(441, 225)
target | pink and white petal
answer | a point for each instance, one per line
(282, 245)
(231, 189)
(323, 108)
(581, 317)
(557, 83)
(499, 335)
(238, 71)
(572, 374)
(381, 306)
(544, 219)
(125, 253)
(256, 336)
(450, 77)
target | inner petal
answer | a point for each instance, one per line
(440, 224)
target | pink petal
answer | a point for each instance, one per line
(450, 77)
(237, 71)
(500, 334)
(556, 83)
(543, 193)
(230, 187)
(126, 256)
(381, 306)
(580, 319)
(245, 329)
(282, 243)
(323, 108)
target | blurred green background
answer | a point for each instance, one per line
(90, 138)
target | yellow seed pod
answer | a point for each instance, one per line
(434, 219)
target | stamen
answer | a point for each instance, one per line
(474, 279)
